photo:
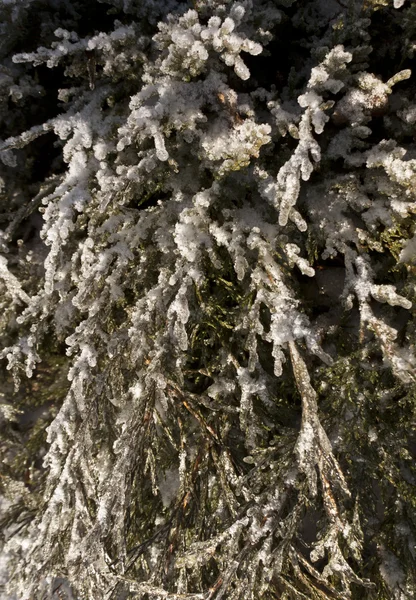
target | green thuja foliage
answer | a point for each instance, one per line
(207, 292)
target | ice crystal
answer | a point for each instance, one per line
(207, 290)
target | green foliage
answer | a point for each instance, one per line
(207, 291)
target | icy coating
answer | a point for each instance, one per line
(207, 259)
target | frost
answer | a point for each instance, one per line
(236, 148)
(408, 254)
(11, 282)
(207, 290)
(292, 253)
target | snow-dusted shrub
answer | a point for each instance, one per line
(207, 286)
